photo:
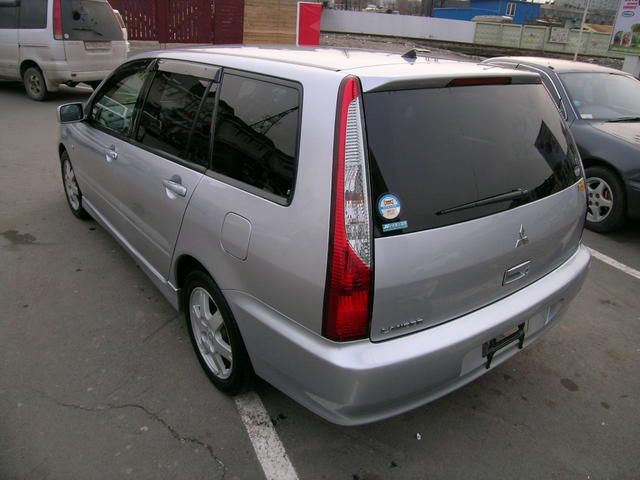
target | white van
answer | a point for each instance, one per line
(45, 43)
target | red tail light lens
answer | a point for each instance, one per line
(347, 310)
(57, 20)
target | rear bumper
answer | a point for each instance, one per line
(63, 76)
(360, 382)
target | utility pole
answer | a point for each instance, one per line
(426, 8)
(584, 18)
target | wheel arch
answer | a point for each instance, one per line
(61, 149)
(184, 265)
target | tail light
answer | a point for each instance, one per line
(347, 308)
(57, 20)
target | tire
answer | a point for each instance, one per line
(71, 189)
(214, 335)
(605, 200)
(35, 84)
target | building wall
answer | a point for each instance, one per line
(270, 21)
(525, 11)
(461, 13)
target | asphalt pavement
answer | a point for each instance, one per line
(98, 379)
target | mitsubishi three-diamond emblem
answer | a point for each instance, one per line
(523, 240)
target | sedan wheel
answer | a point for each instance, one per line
(605, 200)
(599, 199)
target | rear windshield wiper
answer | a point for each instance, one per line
(624, 119)
(87, 29)
(502, 197)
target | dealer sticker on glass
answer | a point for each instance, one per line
(389, 227)
(389, 206)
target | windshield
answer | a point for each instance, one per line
(89, 20)
(603, 96)
(449, 155)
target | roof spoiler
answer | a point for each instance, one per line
(452, 80)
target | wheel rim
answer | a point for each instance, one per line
(599, 199)
(34, 84)
(71, 186)
(210, 333)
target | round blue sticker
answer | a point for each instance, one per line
(389, 206)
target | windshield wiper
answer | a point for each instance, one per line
(87, 29)
(502, 197)
(624, 119)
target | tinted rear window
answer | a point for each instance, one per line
(437, 149)
(89, 20)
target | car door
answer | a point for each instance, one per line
(9, 39)
(95, 143)
(157, 172)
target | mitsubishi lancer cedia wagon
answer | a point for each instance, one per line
(366, 231)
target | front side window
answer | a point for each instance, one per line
(89, 20)
(33, 13)
(603, 96)
(169, 112)
(256, 134)
(114, 104)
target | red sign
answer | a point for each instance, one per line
(308, 29)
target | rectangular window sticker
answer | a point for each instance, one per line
(388, 227)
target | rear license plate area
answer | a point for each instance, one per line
(502, 341)
(97, 45)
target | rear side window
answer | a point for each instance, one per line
(8, 14)
(89, 20)
(33, 13)
(256, 134)
(442, 153)
(169, 112)
(115, 102)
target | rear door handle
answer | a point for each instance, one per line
(175, 186)
(111, 154)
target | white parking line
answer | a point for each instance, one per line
(264, 438)
(615, 264)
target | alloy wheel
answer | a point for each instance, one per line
(210, 333)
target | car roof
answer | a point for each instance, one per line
(557, 64)
(374, 68)
(328, 58)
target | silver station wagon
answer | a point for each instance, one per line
(366, 231)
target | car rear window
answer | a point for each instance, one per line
(89, 20)
(440, 154)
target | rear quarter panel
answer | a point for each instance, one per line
(286, 263)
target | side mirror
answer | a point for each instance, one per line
(70, 112)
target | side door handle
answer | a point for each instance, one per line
(111, 154)
(173, 185)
